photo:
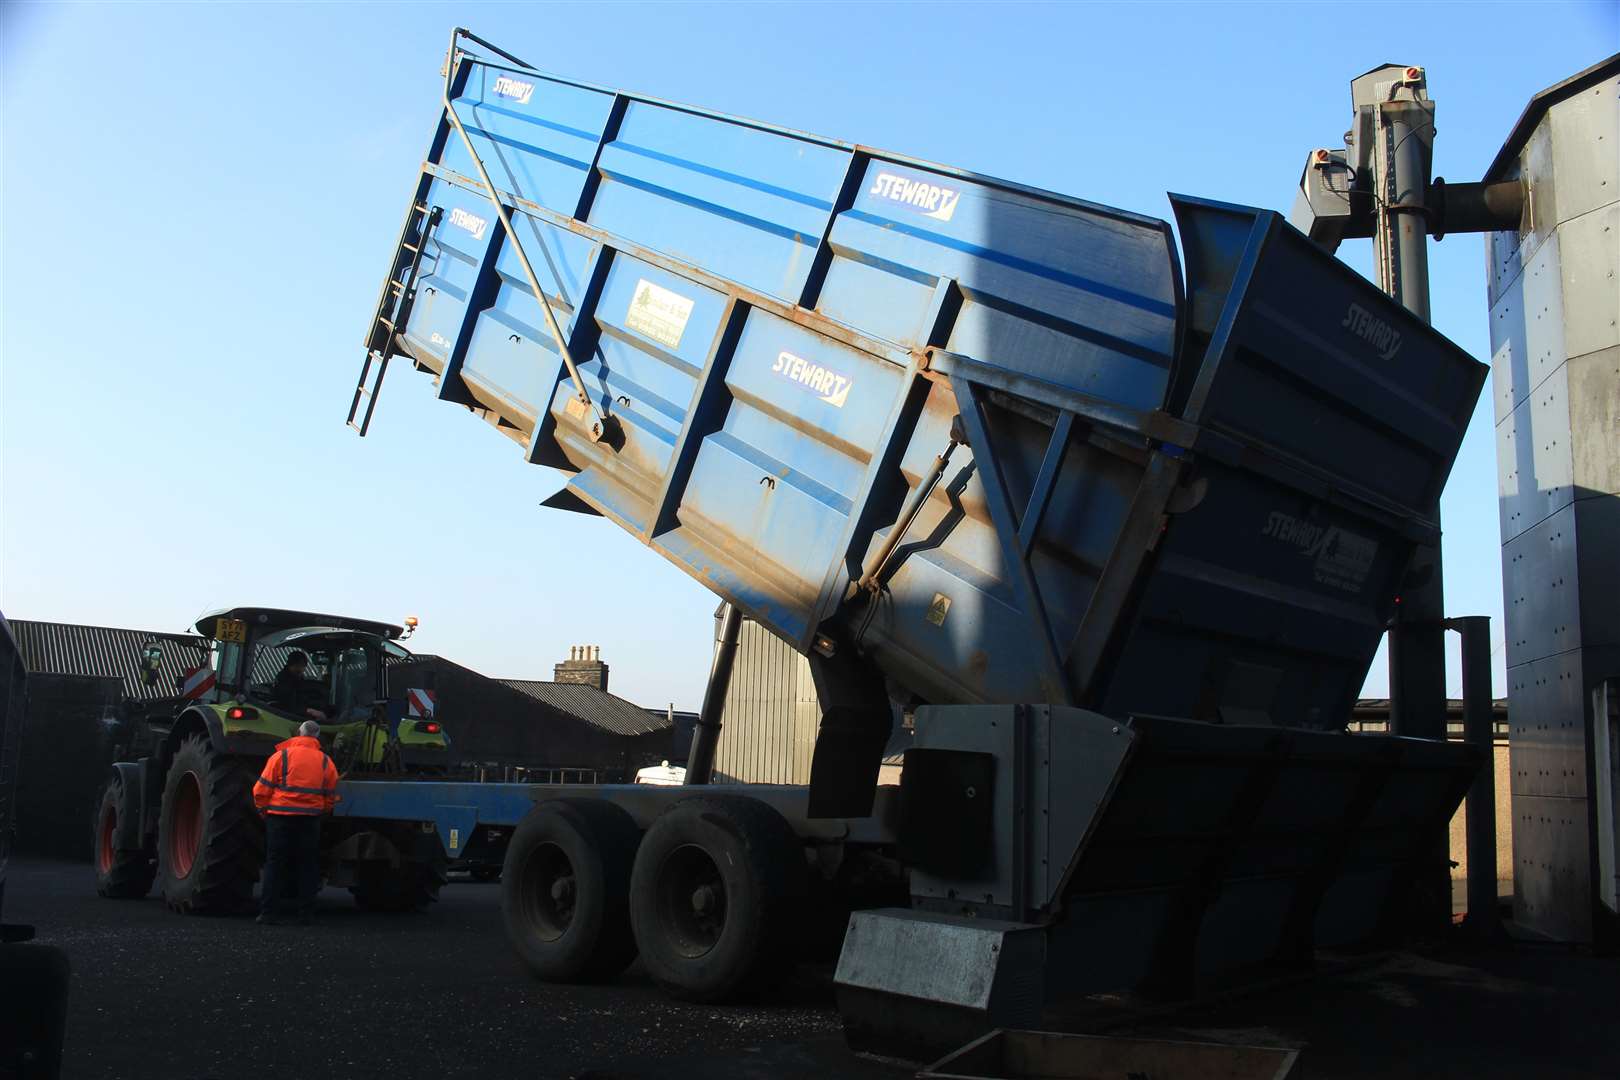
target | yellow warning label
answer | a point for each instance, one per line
(938, 609)
(455, 839)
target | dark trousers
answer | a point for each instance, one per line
(292, 861)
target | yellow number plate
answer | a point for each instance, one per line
(230, 630)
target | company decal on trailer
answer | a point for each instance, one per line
(471, 222)
(933, 200)
(825, 383)
(516, 89)
(1373, 330)
(1342, 559)
(657, 313)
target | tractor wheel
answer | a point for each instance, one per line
(410, 886)
(565, 890)
(210, 840)
(121, 875)
(717, 897)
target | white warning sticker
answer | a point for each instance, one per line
(657, 313)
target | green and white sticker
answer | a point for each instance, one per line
(657, 313)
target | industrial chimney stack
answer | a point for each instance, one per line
(584, 665)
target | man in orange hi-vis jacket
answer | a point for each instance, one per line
(297, 788)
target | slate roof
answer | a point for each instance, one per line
(596, 707)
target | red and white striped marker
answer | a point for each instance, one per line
(420, 703)
(199, 680)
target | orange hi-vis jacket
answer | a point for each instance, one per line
(298, 779)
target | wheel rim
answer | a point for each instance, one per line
(550, 889)
(186, 825)
(691, 901)
(104, 845)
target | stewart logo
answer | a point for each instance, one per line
(516, 89)
(934, 201)
(471, 222)
(1342, 559)
(826, 384)
(1373, 330)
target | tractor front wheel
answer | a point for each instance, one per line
(120, 874)
(210, 840)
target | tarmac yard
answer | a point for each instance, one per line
(158, 996)
(439, 994)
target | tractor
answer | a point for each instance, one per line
(183, 817)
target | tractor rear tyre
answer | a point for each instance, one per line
(210, 840)
(717, 897)
(565, 890)
(120, 874)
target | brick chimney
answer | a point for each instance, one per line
(584, 665)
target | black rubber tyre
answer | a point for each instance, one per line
(33, 1010)
(716, 897)
(120, 875)
(565, 889)
(410, 886)
(210, 839)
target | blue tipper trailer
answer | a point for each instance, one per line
(1124, 524)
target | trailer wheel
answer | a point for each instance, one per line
(717, 896)
(565, 890)
(121, 875)
(210, 841)
(410, 886)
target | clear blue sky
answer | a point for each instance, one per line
(200, 201)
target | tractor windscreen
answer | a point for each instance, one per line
(341, 669)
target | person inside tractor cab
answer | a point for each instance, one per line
(294, 692)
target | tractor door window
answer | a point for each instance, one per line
(229, 666)
(353, 684)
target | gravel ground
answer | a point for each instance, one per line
(435, 994)
(438, 994)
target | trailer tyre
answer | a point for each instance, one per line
(410, 887)
(565, 889)
(717, 897)
(210, 840)
(120, 874)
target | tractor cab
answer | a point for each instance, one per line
(275, 668)
(326, 673)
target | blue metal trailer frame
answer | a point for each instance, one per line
(457, 811)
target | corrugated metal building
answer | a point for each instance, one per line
(768, 728)
(87, 706)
